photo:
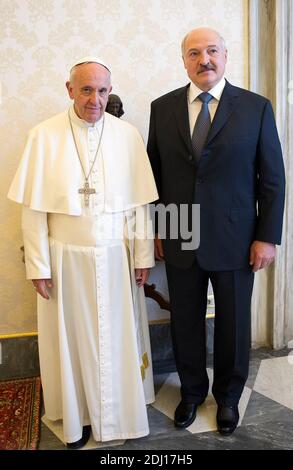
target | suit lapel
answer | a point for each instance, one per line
(182, 118)
(226, 106)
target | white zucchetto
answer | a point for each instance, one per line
(86, 59)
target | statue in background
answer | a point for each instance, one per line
(115, 106)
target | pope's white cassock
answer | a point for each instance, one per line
(93, 332)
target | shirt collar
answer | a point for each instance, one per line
(216, 92)
(82, 122)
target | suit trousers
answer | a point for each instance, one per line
(188, 298)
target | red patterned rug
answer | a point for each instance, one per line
(20, 407)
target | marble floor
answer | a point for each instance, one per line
(266, 414)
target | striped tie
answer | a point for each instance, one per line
(202, 126)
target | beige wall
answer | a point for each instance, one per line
(39, 39)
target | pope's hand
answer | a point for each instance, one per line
(141, 276)
(42, 286)
(159, 252)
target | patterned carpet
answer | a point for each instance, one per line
(20, 405)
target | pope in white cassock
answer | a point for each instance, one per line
(85, 183)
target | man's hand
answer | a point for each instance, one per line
(42, 286)
(262, 254)
(141, 276)
(159, 252)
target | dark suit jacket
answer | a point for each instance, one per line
(239, 181)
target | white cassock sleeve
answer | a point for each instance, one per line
(143, 238)
(36, 244)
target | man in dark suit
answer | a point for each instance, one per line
(216, 145)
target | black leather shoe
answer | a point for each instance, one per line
(86, 432)
(185, 414)
(227, 419)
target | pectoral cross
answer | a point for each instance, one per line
(86, 191)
